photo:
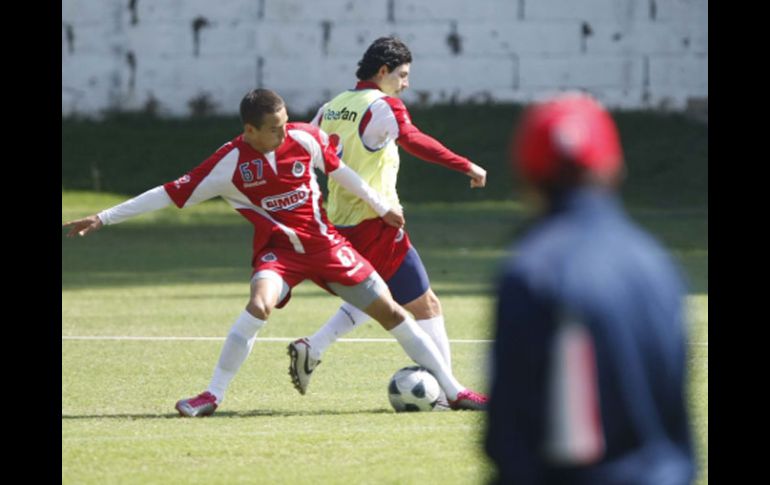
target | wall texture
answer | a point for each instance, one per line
(177, 57)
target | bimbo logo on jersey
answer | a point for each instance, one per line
(342, 114)
(287, 200)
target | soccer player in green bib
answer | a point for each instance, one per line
(368, 124)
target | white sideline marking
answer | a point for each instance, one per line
(274, 339)
(263, 339)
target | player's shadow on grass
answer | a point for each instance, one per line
(234, 414)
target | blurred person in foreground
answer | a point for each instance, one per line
(589, 360)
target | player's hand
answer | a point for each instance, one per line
(478, 176)
(81, 227)
(395, 218)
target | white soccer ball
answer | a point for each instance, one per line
(413, 389)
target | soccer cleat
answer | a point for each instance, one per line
(204, 404)
(468, 399)
(301, 364)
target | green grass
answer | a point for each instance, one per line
(185, 273)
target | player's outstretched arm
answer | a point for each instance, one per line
(151, 200)
(84, 226)
(427, 148)
(397, 124)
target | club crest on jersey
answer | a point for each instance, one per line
(399, 235)
(269, 258)
(287, 200)
(298, 169)
(181, 180)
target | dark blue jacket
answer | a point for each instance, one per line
(588, 298)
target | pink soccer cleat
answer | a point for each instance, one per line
(468, 399)
(204, 404)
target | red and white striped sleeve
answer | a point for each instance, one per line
(208, 180)
(414, 141)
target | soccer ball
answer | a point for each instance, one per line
(413, 389)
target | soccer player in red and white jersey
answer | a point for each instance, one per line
(371, 122)
(267, 175)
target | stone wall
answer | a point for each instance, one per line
(176, 57)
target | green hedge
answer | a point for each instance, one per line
(666, 154)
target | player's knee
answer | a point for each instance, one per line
(394, 317)
(258, 308)
(426, 306)
(432, 303)
(398, 314)
(387, 312)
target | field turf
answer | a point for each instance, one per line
(173, 276)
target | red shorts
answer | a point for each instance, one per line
(340, 263)
(383, 245)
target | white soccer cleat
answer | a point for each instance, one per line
(301, 364)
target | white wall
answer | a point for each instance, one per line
(126, 54)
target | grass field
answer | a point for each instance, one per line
(185, 274)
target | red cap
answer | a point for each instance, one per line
(568, 128)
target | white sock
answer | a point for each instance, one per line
(237, 347)
(346, 319)
(419, 346)
(435, 328)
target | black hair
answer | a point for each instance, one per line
(257, 103)
(388, 51)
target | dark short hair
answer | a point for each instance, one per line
(388, 51)
(257, 103)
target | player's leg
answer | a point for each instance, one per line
(384, 247)
(305, 353)
(347, 318)
(415, 342)
(410, 287)
(267, 289)
(374, 296)
(427, 313)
